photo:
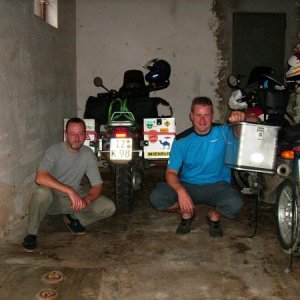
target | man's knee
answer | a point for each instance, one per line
(236, 206)
(110, 209)
(42, 195)
(233, 206)
(155, 198)
(105, 207)
(162, 197)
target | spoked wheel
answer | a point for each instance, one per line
(287, 222)
(124, 188)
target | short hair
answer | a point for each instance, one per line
(77, 121)
(201, 101)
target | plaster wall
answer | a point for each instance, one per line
(37, 90)
(194, 36)
(114, 36)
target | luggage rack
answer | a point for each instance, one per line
(128, 119)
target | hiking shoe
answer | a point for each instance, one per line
(29, 243)
(185, 225)
(215, 229)
(73, 225)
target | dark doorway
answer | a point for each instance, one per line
(258, 40)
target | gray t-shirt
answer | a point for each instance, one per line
(70, 167)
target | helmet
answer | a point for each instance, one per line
(258, 74)
(293, 68)
(160, 71)
(237, 100)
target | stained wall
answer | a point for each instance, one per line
(37, 90)
(194, 36)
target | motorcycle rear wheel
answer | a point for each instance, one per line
(285, 218)
(123, 188)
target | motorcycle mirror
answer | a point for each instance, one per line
(98, 81)
(233, 81)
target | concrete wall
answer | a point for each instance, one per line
(114, 36)
(38, 68)
(37, 90)
(224, 11)
(193, 35)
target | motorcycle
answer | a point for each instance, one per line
(267, 98)
(287, 206)
(122, 114)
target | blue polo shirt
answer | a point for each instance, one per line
(199, 159)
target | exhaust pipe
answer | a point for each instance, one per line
(283, 170)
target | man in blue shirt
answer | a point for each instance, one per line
(196, 173)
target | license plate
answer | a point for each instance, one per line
(120, 149)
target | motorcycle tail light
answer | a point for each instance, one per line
(121, 133)
(288, 154)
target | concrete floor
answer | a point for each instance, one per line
(139, 256)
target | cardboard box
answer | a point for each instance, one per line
(253, 147)
(159, 134)
(92, 138)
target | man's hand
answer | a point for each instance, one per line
(237, 116)
(186, 204)
(184, 200)
(93, 194)
(76, 202)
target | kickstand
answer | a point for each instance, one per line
(256, 210)
(294, 220)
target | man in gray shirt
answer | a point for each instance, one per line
(59, 176)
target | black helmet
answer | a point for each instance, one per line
(258, 74)
(160, 71)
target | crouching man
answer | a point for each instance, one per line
(196, 172)
(59, 176)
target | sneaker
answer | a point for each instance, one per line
(29, 243)
(215, 229)
(73, 225)
(185, 225)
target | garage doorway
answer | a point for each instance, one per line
(258, 40)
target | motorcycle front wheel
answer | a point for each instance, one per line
(286, 220)
(123, 188)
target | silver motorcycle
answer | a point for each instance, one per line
(280, 184)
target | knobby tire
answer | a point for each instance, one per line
(123, 188)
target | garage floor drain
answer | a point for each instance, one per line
(46, 294)
(52, 277)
